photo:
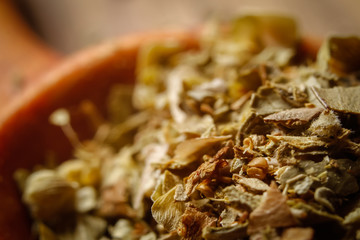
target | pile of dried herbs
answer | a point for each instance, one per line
(240, 139)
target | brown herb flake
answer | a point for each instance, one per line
(293, 117)
(167, 211)
(114, 201)
(342, 99)
(193, 222)
(340, 54)
(272, 212)
(251, 184)
(190, 150)
(210, 130)
(298, 234)
(267, 101)
(206, 171)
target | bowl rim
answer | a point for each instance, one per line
(72, 68)
(57, 81)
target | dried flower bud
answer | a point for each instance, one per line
(256, 172)
(205, 188)
(48, 195)
(206, 108)
(86, 199)
(79, 171)
(248, 143)
(259, 162)
(60, 117)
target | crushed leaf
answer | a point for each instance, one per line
(298, 234)
(342, 99)
(192, 223)
(243, 137)
(167, 211)
(293, 117)
(272, 212)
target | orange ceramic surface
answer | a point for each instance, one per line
(25, 133)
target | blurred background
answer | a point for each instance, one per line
(68, 25)
(35, 35)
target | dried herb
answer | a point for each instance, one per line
(236, 140)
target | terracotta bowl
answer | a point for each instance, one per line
(25, 133)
